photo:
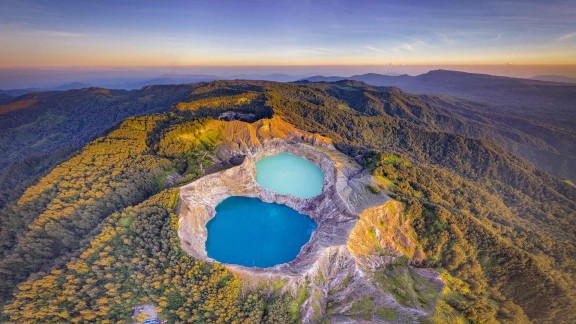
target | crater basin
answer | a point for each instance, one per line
(252, 233)
(289, 174)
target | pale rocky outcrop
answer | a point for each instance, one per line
(354, 224)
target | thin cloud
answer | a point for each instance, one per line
(316, 49)
(445, 39)
(17, 31)
(407, 47)
(375, 49)
(412, 47)
(56, 33)
(566, 37)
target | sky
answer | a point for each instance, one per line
(170, 33)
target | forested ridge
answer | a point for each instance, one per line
(44, 128)
(97, 234)
(538, 116)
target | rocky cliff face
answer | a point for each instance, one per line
(360, 234)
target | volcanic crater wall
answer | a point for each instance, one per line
(329, 210)
(338, 264)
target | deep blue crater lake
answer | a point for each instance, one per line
(289, 174)
(252, 233)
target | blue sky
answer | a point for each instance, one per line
(188, 33)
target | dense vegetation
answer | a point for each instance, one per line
(43, 128)
(465, 234)
(515, 224)
(94, 256)
(97, 233)
(538, 116)
(523, 98)
(137, 259)
(512, 227)
(54, 216)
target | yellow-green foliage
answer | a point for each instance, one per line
(109, 174)
(384, 229)
(513, 222)
(452, 293)
(100, 164)
(226, 102)
(362, 308)
(387, 158)
(384, 182)
(375, 189)
(301, 295)
(191, 137)
(135, 255)
(387, 314)
(131, 262)
(371, 236)
(407, 287)
(467, 230)
(502, 229)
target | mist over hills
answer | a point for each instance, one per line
(61, 83)
(554, 78)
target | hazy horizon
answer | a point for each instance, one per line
(108, 76)
(47, 43)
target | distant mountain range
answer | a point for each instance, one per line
(540, 109)
(138, 82)
(513, 95)
(554, 78)
(8, 94)
(542, 113)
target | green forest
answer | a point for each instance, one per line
(90, 232)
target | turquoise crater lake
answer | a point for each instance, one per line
(289, 174)
(252, 233)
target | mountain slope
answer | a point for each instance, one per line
(47, 126)
(543, 110)
(38, 123)
(519, 194)
(5, 97)
(521, 97)
(501, 231)
(510, 94)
